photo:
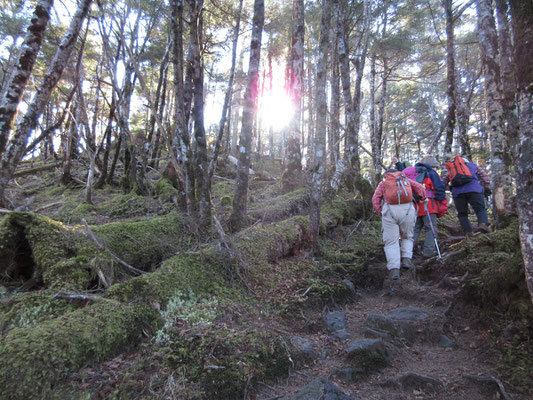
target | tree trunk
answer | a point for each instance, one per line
(450, 78)
(311, 107)
(293, 166)
(344, 64)
(227, 97)
(333, 131)
(238, 214)
(359, 71)
(202, 166)
(159, 105)
(17, 145)
(508, 78)
(372, 116)
(488, 42)
(182, 133)
(17, 84)
(522, 17)
(107, 137)
(320, 140)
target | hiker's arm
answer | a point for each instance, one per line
(418, 189)
(445, 178)
(438, 185)
(378, 198)
(484, 178)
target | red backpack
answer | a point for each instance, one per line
(397, 188)
(458, 171)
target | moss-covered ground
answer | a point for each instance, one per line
(205, 322)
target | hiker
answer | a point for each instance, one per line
(423, 172)
(469, 183)
(399, 165)
(393, 200)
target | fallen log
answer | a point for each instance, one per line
(40, 168)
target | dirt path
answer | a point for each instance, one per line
(436, 357)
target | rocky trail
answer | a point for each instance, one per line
(401, 341)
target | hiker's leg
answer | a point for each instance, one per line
(419, 224)
(429, 241)
(461, 205)
(391, 238)
(477, 201)
(408, 216)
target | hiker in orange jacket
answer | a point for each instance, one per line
(393, 200)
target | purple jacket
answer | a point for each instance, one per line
(474, 186)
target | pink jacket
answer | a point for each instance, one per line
(377, 199)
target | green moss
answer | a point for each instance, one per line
(165, 191)
(517, 360)
(326, 292)
(223, 188)
(276, 208)
(194, 272)
(127, 205)
(82, 211)
(144, 243)
(32, 360)
(29, 309)
(496, 283)
(496, 269)
(71, 274)
(226, 201)
(223, 359)
(44, 241)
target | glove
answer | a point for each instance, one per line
(487, 192)
(416, 198)
(443, 208)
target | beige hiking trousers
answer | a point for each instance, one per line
(397, 225)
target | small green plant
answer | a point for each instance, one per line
(188, 308)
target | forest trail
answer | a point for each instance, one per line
(412, 346)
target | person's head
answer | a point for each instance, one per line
(431, 161)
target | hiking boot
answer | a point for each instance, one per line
(483, 227)
(406, 263)
(394, 274)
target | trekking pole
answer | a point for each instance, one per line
(432, 229)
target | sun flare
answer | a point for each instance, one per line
(276, 109)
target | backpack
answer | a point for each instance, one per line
(397, 188)
(459, 172)
(426, 176)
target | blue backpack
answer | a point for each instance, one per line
(425, 175)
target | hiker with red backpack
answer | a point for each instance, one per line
(469, 183)
(393, 200)
(423, 172)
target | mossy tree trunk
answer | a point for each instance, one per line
(321, 112)
(522, 13)
(500, 162)
(240, 199)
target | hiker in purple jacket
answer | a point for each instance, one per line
(471, 193)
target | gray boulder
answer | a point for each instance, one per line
(400, 325)
(302, 350)
(335, 321)
(368, 354)
(412, 381)
(320, 389)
